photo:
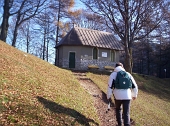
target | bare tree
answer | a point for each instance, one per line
(88, 19)
(6, 15)
(129, 20)
(26, 34)
(63, 10)
(46, 28)
(27, 10)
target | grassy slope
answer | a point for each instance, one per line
(152, 107)
(34, 92)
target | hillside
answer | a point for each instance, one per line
(34, 92)
(152, 106)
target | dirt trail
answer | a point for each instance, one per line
(100, 100)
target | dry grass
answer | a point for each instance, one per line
(152, 107)
(34, 92)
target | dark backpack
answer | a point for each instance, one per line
(123, 80)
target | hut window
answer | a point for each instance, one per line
(95, 52)
(113, 56)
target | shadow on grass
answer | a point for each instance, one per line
(56, 108)
(155, 86)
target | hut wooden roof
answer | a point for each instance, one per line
(88, 37)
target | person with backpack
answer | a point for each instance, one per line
(124, 88)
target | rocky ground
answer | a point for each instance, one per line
(107, 118)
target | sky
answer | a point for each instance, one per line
(1, 11)
(79, 4)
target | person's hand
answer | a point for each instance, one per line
(110, 100)
(133, 98)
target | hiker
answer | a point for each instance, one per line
(122, 96)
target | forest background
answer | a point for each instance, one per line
(142, 26)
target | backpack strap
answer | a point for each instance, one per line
(113, 84)
(133, 85)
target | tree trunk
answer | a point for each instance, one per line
(44, 45)
(15, 37)
(47, 49)
(56, 60)
(128, 51)
(15, 31)
(128, 61)
(28, 36)
(27, 42)
(5, 25)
